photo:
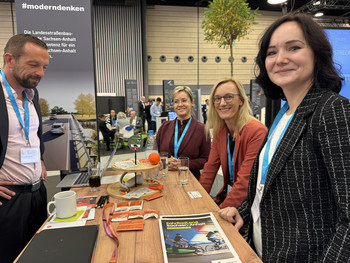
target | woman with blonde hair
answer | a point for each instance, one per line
(184, 136)
(237, 137)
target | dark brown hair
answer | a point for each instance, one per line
(326, 75)
(16, 43)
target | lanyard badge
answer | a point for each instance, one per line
(28, 154)
(176, 141)
(266, 162)
(230, 159)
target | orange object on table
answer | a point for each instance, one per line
(154, 158)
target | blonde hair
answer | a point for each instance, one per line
(121, 115)
(185, 89)
(244, 113)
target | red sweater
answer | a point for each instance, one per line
(248, 142)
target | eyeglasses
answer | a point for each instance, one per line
(228, 98)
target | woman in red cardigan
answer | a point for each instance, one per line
(184, 136)
(237, 137)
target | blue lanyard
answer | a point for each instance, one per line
(266, 163)
(15, 107)
(229, 158)
(178, 142)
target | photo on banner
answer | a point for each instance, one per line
(67, 92)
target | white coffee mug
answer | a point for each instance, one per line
(65, 204)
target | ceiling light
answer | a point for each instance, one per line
(318, 14)
(317, 3)
(276, 2)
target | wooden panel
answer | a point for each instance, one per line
(168, 35)
(6, 25)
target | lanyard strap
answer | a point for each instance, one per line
(229, 158)
(25, 126)
(107, 225)
(266, 161)
(176, 141)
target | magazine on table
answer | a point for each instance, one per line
(195, 238)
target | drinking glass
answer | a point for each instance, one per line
(95, 179)
(183, 167)
(163, 167)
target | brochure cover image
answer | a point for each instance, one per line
(195, 238)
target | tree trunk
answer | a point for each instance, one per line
(231, 54)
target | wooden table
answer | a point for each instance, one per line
(145, 246)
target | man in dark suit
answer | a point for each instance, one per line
(142, 112)
(148, 114)
(23, 196)
(136, 122)
(102, 127)
(204, 110)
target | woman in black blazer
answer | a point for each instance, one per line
(298, 204)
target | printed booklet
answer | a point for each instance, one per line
(195, 238)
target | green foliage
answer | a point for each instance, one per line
(226, 21)
(58, 110)
(44, 107)
(85, 104)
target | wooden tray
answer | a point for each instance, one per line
(140, 167)
(114, 189)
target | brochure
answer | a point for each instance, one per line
(196, 238)
(89, 201)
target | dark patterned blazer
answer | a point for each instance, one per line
(4, 124)
(305, 206)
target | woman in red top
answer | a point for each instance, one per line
(237, 137)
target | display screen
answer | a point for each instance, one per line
(172, 115)
(340, 39)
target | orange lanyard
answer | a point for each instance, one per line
(107, 225)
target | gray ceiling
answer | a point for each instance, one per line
(332, 8)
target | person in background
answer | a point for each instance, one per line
(205, 110)
(142, 113)
(156, 111)
(184, 136)
(121, 123)
(148, 114)
(23, 196)
(111, 122)
(136, 122)
(237, 137)
(102, 127)
(298, 198)
(180, 241)
(111, 119)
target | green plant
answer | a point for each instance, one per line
(226, 21)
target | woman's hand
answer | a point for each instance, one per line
(172, 164)
(232, 215)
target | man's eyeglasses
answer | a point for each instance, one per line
(228, 98)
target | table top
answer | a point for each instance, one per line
(145, 246)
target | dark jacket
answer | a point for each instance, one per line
(304, 210)
(141, 110)
(102, 126)
(138, 126)
(4, 126)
